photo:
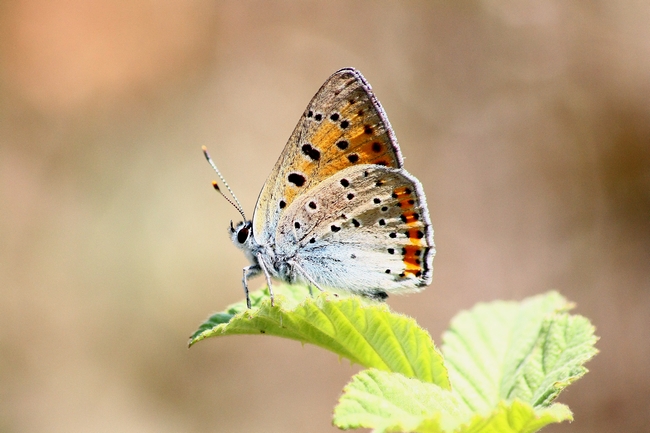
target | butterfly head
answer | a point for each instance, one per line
(241, 234)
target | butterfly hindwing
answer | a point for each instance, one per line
(363, 229)
(343, 126)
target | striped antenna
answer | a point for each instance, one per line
(237, 206)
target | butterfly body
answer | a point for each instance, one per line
(338, 210)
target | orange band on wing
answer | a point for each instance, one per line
(416, 236)
(410, 217)
(412, 260)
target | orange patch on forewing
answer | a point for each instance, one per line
(359, 151)
(367, 141)
(325, 136)
(355, 135)
(371, 149)
(380, 152)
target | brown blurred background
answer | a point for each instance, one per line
(527, 122)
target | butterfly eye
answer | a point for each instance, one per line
(242, 235)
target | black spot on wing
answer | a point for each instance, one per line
(311, 152)
(297, 179)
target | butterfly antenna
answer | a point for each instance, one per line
(237, 206)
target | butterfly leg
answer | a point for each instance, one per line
(249, 271)
(267, 275)
(307, 277)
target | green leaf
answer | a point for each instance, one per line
(390, 402)
(565, 343)
(365, 332)
(507, 361)
(516, 417)
(528, 351)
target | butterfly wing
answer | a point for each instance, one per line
(343, 126)
(364, 229)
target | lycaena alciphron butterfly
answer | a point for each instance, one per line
(338, 210)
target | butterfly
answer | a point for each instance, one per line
(339, 210)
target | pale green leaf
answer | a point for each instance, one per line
(516, 417)
(390, 402)
(365, 332)
(565, 343)
(505, 350)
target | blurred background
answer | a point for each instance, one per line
(528, 122)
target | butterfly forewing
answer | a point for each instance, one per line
(343, 126)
